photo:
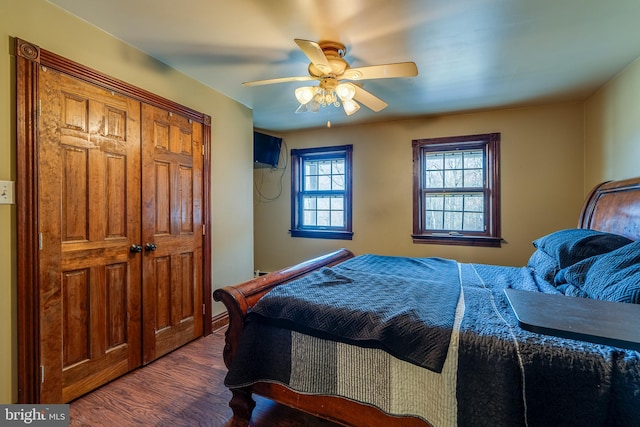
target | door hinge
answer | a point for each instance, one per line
(40, 240)
(204, 229)
(41, 374)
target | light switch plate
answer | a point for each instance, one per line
(7, 191)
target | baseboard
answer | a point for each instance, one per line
(219, 321)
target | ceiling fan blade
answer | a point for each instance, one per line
(279, 80)
(384, 71)
(369, 100)
(315, 54)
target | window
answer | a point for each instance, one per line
(321, 192)
(456, 190)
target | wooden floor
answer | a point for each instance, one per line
(184, 388)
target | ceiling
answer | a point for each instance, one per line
(471, 54)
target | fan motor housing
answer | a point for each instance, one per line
(334, 51)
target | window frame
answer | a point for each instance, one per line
(491, 236)
(298, 156)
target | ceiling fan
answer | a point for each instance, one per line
(329, 67)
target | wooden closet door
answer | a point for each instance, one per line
(172, 195)
(89, 216)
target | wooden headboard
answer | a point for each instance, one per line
(614, 206)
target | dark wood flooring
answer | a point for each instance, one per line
(183, 388)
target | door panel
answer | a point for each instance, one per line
(172, 164)
(89, 216)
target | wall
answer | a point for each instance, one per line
(43, 24)
(612, 140)
(541, 176)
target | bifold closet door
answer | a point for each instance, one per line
(89, 218)
(172, 231)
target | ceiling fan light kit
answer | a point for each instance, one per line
(329, 67)
(329, 92)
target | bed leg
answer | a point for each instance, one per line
(242, 405)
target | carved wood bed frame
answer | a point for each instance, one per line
(613, 206)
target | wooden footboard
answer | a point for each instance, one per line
(238, 299)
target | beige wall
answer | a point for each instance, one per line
(612, 117)
(541, 175)
(41, 23)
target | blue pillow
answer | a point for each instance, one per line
(614, 276)
(572, 245)
(544, 265)
(571, 291)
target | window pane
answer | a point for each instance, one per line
(325, 175)
(435, 203)
(454, 212)
(337, 167)
(473, 221)
(324, 182)
(474, 203)
(473, 159)
(434, 179)
(434, 220)
(453, 160)
(324, 219)
(338, 182)
(453, 203)
(311, 183)
(337, 204)
(473, 178)
(453, 220)
(323, 211)
(337, 218)
(310, 168)
(324, 167)
(309, 203)
(323, 203)
(309, 218)
(454, 169)
(433, 161)
(453, 178)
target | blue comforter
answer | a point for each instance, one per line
(506, 376)
(515, 377)
(405, 306)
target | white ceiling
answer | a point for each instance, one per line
(471, 54)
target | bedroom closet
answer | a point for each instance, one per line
(119, 211)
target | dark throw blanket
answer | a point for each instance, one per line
(405, 306)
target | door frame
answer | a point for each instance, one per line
(30, 58)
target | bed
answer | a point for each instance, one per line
(374, 340)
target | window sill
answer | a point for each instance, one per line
(322, 234)
(459, 240)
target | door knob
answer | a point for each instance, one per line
(135, 249)
(150, 247)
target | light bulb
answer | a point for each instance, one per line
(346, 91)
(350, 106)
(305, 94)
